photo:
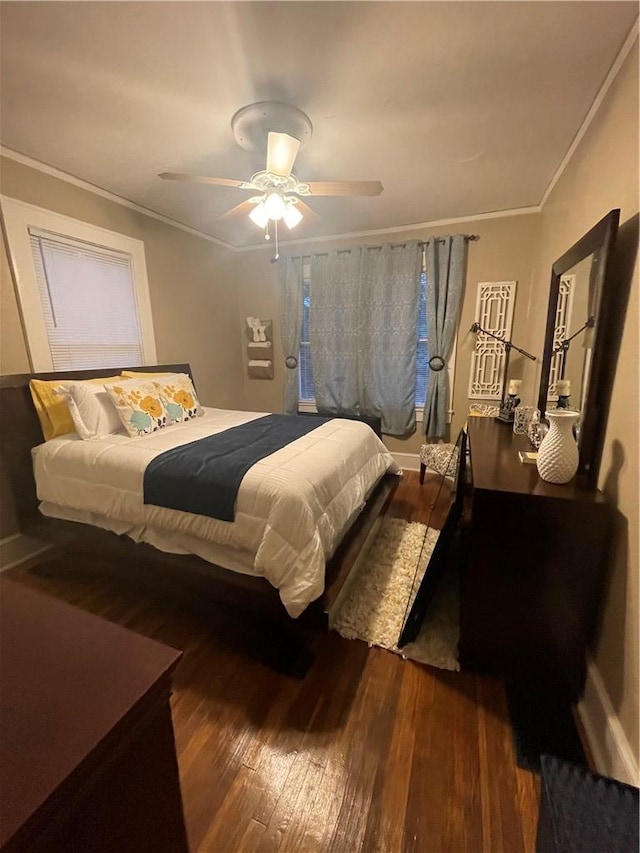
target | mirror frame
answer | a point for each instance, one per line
(599, 242)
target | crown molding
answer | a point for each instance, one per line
(397, 229)
(10, 154)
(330, 238)
(595, 106)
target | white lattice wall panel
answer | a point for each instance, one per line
(561, 330)
(494, 312)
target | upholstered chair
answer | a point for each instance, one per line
(440, 458)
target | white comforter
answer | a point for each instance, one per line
(292, 510)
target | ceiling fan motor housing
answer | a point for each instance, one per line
(251, 124)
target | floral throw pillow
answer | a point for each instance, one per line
(179, 397)
(140, 406)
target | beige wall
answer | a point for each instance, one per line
(191, 299)
(14, 357)
(603, 174)
(504, 252)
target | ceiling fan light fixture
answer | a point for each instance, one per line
(259, 215)
(274, 206)
(292, 215)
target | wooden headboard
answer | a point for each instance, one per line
(20, 430)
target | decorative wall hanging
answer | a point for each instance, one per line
(260, 348)
(494, 313)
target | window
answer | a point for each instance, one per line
(82, 290)
(305, 372)
(88, 302)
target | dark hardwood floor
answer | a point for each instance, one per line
(367, 752)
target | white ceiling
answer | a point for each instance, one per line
(459, 108)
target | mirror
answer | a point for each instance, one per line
(579, 353)
(429, 570)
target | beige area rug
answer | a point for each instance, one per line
(373, 608)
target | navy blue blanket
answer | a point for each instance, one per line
(204, 476)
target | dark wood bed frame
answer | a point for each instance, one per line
(20, 431)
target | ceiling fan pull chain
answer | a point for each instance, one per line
(277, 252)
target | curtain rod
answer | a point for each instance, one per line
(470, 237)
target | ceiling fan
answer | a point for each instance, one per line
(286, 130)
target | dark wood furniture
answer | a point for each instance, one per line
(447, 511)
(20, 431)
(533, 570)
(87, 755)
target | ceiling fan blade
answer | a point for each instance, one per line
(200, 179)
(308, 212)
(345, 187)
(242, 209)
(282, 151)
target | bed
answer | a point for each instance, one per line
(333, 482)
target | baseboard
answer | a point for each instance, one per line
(408, 461)
(17, 549)
(609, 746)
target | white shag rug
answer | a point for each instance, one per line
(375, 603)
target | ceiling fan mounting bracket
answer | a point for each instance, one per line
(251, 124)
(266, 181)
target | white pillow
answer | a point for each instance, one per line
(92, 410)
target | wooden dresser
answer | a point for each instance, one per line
(533, 569)
(87, 756)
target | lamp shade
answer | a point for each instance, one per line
(292, 215)
(274, 206)
(259, 215)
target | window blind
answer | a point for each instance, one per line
(88, 302)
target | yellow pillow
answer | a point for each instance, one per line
(52, 409)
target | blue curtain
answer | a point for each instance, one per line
(290, 281)
(388, 317)
(445, 262)
(334, 317)
(363, 332)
